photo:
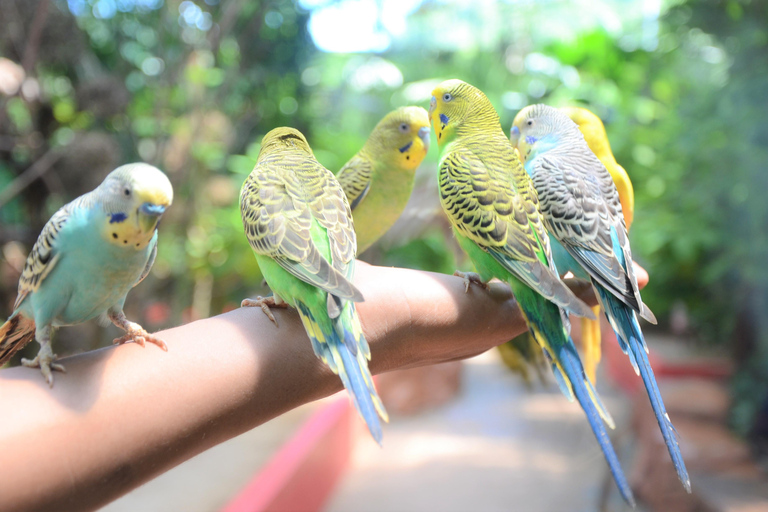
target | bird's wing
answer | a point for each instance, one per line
(582, 210)
(44, 254)
(497, 209)
(355, 179)
(330, 208)
(278, 223)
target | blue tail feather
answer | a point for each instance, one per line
(355, 383)
(544, 321)
(571, 364)
(333, 347)
(623, 319)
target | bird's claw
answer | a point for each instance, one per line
(46, 364)
(140, 336)
(264, 303)
(471, 278)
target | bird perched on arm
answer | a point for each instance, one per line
(493, 208)
(378, 180)
(582, 211)
(516, 353)
(85, 261)
(299, 225)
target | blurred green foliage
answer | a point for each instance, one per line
(193, 86)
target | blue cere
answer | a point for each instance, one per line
(117, 217)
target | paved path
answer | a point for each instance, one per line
(497, 447)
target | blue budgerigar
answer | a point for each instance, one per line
(86, 260)
(583, 214)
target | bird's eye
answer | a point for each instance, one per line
(403, 127)
(447, 97)
(530, 122)
(126, 191)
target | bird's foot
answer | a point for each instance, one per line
(45, 361)
(264, 303)
(137, 334)
(471, 278)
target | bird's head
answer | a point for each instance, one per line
(134, 197)
(534, 123)
(402, 136)
(456, 105)
(284, 138)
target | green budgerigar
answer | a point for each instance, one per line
(86, 260)
(493, 208)
(299, 225)
(581, 208)
(378, 180)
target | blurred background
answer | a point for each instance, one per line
(192, 86)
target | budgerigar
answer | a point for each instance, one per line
(85, 261)
(514, 353)
(299, 225)
(582, 212)
(378, 180)
(493, 208)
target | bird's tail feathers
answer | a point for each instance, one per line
(587, 397)
(344, 349)
(543, 320)
(624, 322)
(565, 379)
(14, 335)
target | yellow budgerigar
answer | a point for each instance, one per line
(378, 180)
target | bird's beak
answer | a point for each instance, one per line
(424, 136)
(514, 135)
(153, 210)
(149, 215)
(432, 105)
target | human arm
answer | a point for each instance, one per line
(123, 415)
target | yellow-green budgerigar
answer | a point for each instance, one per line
(299, 225)
(493, 208)
(582, 211)
(378, 180)
(86, 260)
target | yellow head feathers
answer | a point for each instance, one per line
(457, 106)
(284, 138)
(133, 197)
(401, 137)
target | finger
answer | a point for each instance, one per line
(641, 274)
